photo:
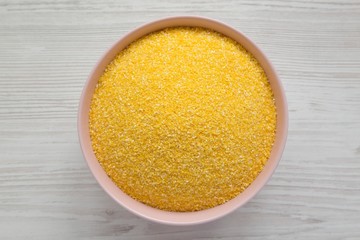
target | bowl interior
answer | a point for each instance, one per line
(182, 218)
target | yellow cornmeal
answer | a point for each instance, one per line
(183, 119)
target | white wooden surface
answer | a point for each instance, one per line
(47, 49)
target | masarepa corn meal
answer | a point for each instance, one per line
(183, 119)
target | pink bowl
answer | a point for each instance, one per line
(182, 218)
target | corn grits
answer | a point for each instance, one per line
(183, 119)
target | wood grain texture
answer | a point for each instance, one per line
(47, 50)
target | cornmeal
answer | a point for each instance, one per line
(183, 119)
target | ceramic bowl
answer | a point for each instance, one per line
(182, 218)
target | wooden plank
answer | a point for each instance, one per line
(47, 50)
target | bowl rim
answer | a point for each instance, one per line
(182, 218)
